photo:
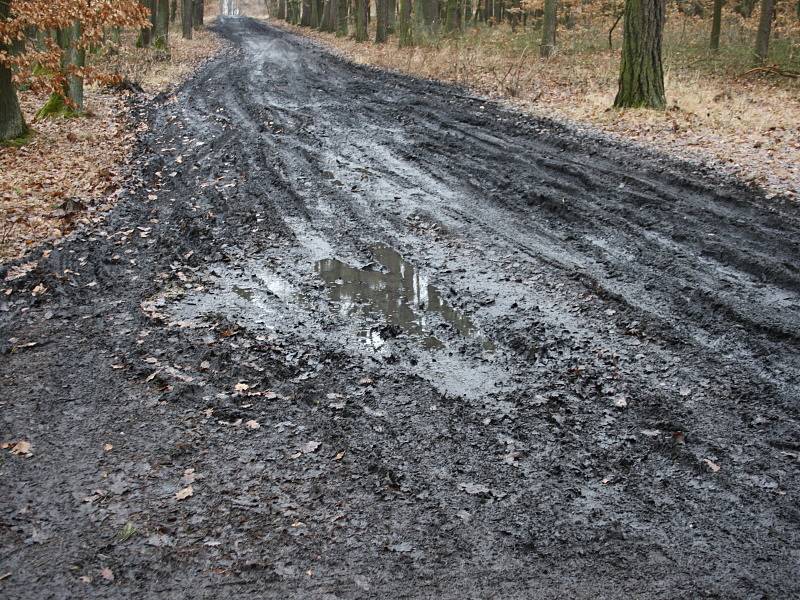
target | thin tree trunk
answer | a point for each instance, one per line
(381, 26)
(187, 18)
(641, 79)
(716, 24)
(73, 56)
(161, 40)
(764, 30)
(173, 11)
(12, 123)
(146, 35)
(548, 47)
(362, 16)
(316, 13)
(404, 35)
(342, 6)
(391, 22)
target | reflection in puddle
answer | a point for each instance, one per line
(399, 293)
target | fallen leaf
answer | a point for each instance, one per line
(711, 465)
(685, 391)
(309, 447)
(184, 493)
(241, 387)
(474, 488)
(107, 574)
(339, 455)
(108, 447)
(251, 424)
(401, 547)
(22, 448)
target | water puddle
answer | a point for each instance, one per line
(393, 297)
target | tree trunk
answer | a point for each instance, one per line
(161, 39)
(362, 15)
(305, 17)
(381, 26)
(146, 35)
(187, 18)
(199, 13)
(548, 47)
(764, 30)
(641, 78)
(73, 56)
(391, 21)
(342, 6)
(173, 11)
(316, 13)
(453, 16)
(281, 12)
(404, 35)
(12, 123)
(716, 24)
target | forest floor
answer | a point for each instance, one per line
(719, 112)
(348, 333)
(69, 172)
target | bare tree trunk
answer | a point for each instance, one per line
(342, 7)
(305, 16)
(12, 123)
(146, 34)
(641, 79)
(362, 18)
(764, 30)
(391, 21)
(381, 26)
(453, 16)
(548, 47)
(404, 35)
(161, 40)
(187, 18)
(199, 13)
(716, 24)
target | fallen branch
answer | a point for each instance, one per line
(774, 70)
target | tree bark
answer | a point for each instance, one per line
(404, 35)
(199, 13)
(362, 16)
(548, 47)
(72, 56)
(305, 16)
(381, 26)
(146, 35)
(12, 123)
(716, 24)
(187, 18)
(161, 40)
(453, 16)
(764, 30)
(641, 79)
(342, 6)
(316, 13)
(173, 11)
(391, 21)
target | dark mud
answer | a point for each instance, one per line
(609, 410)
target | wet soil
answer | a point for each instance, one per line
(401, 342)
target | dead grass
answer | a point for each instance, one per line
(748, 126)
(70, 170)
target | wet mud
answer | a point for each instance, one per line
(400, 341)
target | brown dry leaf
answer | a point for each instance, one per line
(107, 574)
(184, 493)
(241, 387)
(711, 465)
(22, 448)
(252, 424)
(339, 455)
(108, 447)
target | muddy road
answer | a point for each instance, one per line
(357, 335)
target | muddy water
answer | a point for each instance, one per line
(391, 297)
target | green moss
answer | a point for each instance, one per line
(20, 141)
(56, 106)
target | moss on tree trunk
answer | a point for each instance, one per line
(641, 79)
